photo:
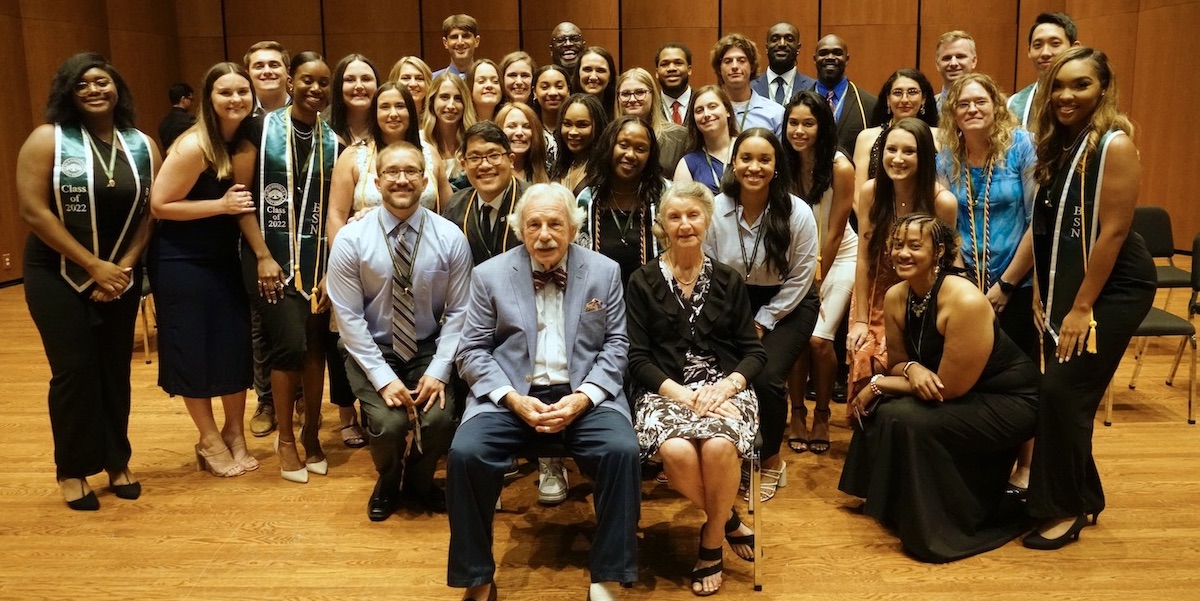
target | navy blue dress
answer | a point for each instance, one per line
(202, 309)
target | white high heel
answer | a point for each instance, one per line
(299, 476)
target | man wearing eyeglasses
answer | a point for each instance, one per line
(482, 211)
(566, 45)
(399, 279)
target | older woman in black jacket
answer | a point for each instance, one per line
(693, 348)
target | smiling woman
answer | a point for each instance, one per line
(938, 431)
(83, 182)
(196, 273)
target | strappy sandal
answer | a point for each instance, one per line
(731, 526)
(798, 443)
(819, 445)
(354, 439)
(699, 574)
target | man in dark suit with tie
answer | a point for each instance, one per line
(782, 79)
(483, 209)
(851, 106)
(543, 351)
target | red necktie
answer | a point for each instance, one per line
(675, 116)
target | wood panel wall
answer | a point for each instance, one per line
(156, 43)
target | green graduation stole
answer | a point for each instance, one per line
(74, 192)
(293, 193)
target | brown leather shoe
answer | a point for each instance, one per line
(263, 422)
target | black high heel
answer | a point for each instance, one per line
(87, 502)
(1037, 541)
(1012, 491)
(129, 490)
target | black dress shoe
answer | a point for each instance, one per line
(432, 498)
(1012, 491)
(383, 503)
(839, 392)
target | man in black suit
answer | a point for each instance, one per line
(482, 211)
(179, 119)
(850, 105)
(782, 79)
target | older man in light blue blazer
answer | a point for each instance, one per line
(544, 351)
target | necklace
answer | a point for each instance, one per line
(112, 156)
(1078, 139)
(680, 280)
(302, 135)
(919, 306)
(979, 247)
(920, 313)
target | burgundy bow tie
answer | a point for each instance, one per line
(557, 276)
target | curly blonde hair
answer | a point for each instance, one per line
(1003, 123)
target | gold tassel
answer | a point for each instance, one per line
(1091, 342)
(818, 278)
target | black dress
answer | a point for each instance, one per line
(1063, 479)
(203, 312)
(936, 472)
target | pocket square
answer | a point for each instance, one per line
(593, 305)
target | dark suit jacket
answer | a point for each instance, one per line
(856, 112)
(456, 210)
(175, 123)
(762, 85)
(660, 334)
(499, 340)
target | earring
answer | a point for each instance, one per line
(937, 269)
(887, 109)
(921, 111)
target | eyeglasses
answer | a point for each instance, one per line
(979, 103)
(392, 175)
(101, 85)
(492, 159)
(567, 39)
(911, 92)
(634, 94)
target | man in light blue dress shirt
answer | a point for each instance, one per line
(735, 61)
(366, 274)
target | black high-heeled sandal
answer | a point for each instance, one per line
(129, 491)
(816, 445)
(731, 526)
(1036, 541)
(87, 502)
(699, 574)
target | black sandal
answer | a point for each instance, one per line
(356, 440)
(699, 574)
(731, 526)
(819, 445)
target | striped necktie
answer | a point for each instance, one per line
(404, 324)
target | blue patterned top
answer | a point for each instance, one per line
(1010, 204)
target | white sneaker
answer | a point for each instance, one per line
(552, 481)
(604, 591)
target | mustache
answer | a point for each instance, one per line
(545, 245)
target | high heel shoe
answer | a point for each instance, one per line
(129, 491)
(320, 468)
(769, 481)
(216, 464)
(299, 476)
(237, 448)
(87, 502)
(1012, 491)
(1036, 541)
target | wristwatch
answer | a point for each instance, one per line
(1006, 287)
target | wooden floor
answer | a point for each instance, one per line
(193, 536)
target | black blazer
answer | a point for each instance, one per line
(457, 209)
(660, 335)
(856, 113)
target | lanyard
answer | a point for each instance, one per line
(749, 261)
